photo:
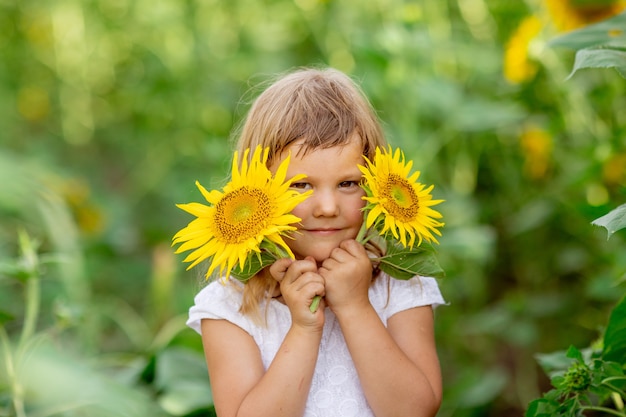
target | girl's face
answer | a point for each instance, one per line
(332, 213)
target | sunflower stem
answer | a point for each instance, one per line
(362, 236)
(315, 303)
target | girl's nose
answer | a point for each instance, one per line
(326, 203)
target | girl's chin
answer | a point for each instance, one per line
(319, 256)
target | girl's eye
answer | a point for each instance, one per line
(300, 185)
(348, 184)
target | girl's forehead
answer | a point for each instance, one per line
(338, 159)
(302, 147)
(343, 158)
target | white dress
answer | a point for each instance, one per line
(335, 388)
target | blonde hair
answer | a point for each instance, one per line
(323, 108)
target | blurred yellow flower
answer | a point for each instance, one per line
(569, 15)
(253, 209)
(564, 15)
(518, 67)
(397, 203)
(33, 103)
(614, 170)
(77, 194)
(536, 145)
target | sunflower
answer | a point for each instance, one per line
(571, 14)
(536, 145)
(250, 214)
(397, 203)
(518, 65)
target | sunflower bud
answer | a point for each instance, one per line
(577, 378)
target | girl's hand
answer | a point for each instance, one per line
(299, 284)
(347, 275)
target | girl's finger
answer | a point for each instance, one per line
(297, 268)
(278, 269)
(353, 247)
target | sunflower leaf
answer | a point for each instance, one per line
(608, 32)
(614, 340)
(604, 57)
(613, 221)
(253, 265)
(404, 263)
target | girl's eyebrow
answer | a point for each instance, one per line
(339, 179)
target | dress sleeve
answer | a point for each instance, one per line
(218, 301)
(415, 292)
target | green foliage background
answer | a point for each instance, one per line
(111, 109)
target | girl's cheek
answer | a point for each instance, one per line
(300, 210)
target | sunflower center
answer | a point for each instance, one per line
(241, 214)
(402, 201)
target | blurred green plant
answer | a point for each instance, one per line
(38, 378)
(592, 380)
(54, 328)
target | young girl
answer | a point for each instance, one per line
(369, 349)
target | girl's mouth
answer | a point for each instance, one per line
(323, 231)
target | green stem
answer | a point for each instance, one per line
(30, 262)
(32, 308)
(361, 236)
(615, 389)
(16, 391)
(603, 409)
(617, 400)
(614, 378)
(315, 303)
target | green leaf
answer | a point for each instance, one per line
(615, 335)
(405, 263)
(558, 381)
(609, 32)
(60, 383)
(613, 221)
(611, 372)
(482, 387)
(5, 317)
(605, 57)
(574, 353)
(182, 378)
(477, 114)
(12, 269)
(542, 407)
(255, 263)
(554, 362)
